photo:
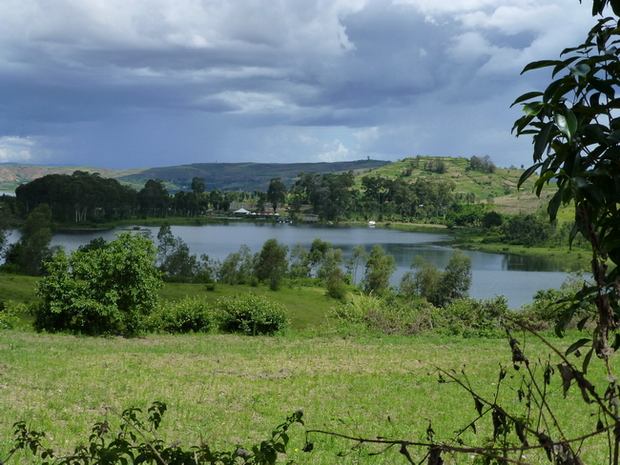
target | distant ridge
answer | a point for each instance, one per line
(224, 176)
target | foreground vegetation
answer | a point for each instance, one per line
(231, 390)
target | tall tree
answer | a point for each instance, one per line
(272, 264)
(154, 198)
(379, 269)
(33, 248)
(276, 193)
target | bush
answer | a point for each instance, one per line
(110, 290)
(190, 315)
(473, 317)
(251, 315)
(388, 316)
(134, 440)
(550, 306)
(9, 315)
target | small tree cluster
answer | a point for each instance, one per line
(481, 164)
(439, 288)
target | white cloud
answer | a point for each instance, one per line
(336, 151)
(16, 149)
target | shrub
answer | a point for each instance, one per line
(192, 314)
(473, 317)
(110, 290)
(9, 315)
(549, 307)
(388, 316)
(251, 315)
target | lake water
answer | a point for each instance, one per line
(515, 277)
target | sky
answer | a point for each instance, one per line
(125, 84)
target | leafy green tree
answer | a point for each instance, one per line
(300, 262)
(109, 290)
(492, 219)
(575, 128)
(276, 193)
(323, 258)
(165, 242)
(272, 264)
(33, 248)
(336, 285)
(456, 279)
(526, 229)
(237, 267)
(261, 199)
(198, 185)
(482, 164)
(425, 281)
(379, 269)
(154, 198)
(358, 254)
(439, 288)
(175, 259)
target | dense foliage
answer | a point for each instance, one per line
(109, 290)
(251, 315)
(576, 137)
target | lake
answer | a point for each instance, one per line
(515, 277)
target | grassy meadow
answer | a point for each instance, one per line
(229, 389)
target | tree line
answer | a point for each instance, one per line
(84, 197)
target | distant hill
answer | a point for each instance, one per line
(225, 176)
(498, 187)
(246, 177)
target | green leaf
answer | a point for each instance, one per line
(527, 96)
(566, 122)
(580, 69)
(576, 345)
(582, 323)
(527, 173)
(552, 89)
(540, 64)
(533, 108)
(586, 360)
(555, 203)
(603, 86)
(542, 140)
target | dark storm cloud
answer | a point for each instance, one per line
(125, 83)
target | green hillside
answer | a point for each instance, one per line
(498, 187)
(500, 182)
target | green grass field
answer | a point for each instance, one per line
(229, 389)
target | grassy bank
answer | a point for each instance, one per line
(231, 389)
(308, 306)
